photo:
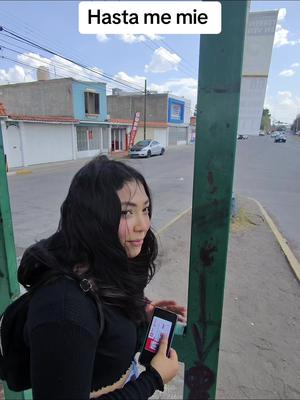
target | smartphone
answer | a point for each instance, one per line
(162, 322)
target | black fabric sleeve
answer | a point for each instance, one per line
(62, 359)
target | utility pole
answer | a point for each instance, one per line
(145, 98)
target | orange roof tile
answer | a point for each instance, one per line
(43, 118)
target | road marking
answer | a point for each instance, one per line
(160, 231)
(23, 172)
(294, 263)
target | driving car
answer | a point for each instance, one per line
(274, 134)
(146, 148)
(281, 138)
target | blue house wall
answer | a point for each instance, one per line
(78, 89)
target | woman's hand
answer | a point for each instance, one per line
(169, 305)
(167, 367)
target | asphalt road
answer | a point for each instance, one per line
(270, 172)
(264, 170)
(36, 197)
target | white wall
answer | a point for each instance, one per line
(187, 111)
(161, 135)
(43, 143)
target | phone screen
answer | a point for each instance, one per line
(163, 323)
(158, 327)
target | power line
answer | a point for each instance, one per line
(13, 18)
(50, 63)
(34, 68)
(27, 41)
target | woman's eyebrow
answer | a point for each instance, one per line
(129, 203)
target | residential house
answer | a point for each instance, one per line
(166, 119)
(54, 120)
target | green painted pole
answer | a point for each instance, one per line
(9, 286)
(220, 71)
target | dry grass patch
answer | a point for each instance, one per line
(244, 220)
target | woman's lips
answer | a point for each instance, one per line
(136, 243)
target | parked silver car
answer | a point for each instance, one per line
(146, 148)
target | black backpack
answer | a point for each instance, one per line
(14, 353)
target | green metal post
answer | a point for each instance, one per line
(220, 71)
(9, 287)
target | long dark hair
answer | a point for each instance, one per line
(88, 234)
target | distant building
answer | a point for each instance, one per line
(54, 120)
(166, 120)
(259, 38)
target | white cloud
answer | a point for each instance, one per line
(186, 87)
(136, 80)
(163, 61)
(281, 37)
(295, 65)
(153, 36)
(33, 59)
(281, 14)
(101, 37)
(131, 38)
(284, 106)
(15, 74)
(287, 72)
(57, 66)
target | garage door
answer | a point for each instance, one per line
(161, 136)
(178, 135)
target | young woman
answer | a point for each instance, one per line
(103, 254)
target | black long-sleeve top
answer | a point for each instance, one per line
(68, 360)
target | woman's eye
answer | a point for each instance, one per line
(125, 213)
(146, 210)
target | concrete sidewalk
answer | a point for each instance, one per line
(260, 340)
(117, 155)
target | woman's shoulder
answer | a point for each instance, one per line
(63, 301)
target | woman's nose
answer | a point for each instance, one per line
(142, 224)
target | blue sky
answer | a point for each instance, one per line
(168, 62)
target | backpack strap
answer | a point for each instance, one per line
(87, 287)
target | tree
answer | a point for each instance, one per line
(265, 120)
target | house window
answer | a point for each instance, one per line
(91, 102)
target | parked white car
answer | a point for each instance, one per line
(146, 148)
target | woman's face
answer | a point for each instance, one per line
(135, 220)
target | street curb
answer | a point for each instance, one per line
(291, 258)
(20, 172)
